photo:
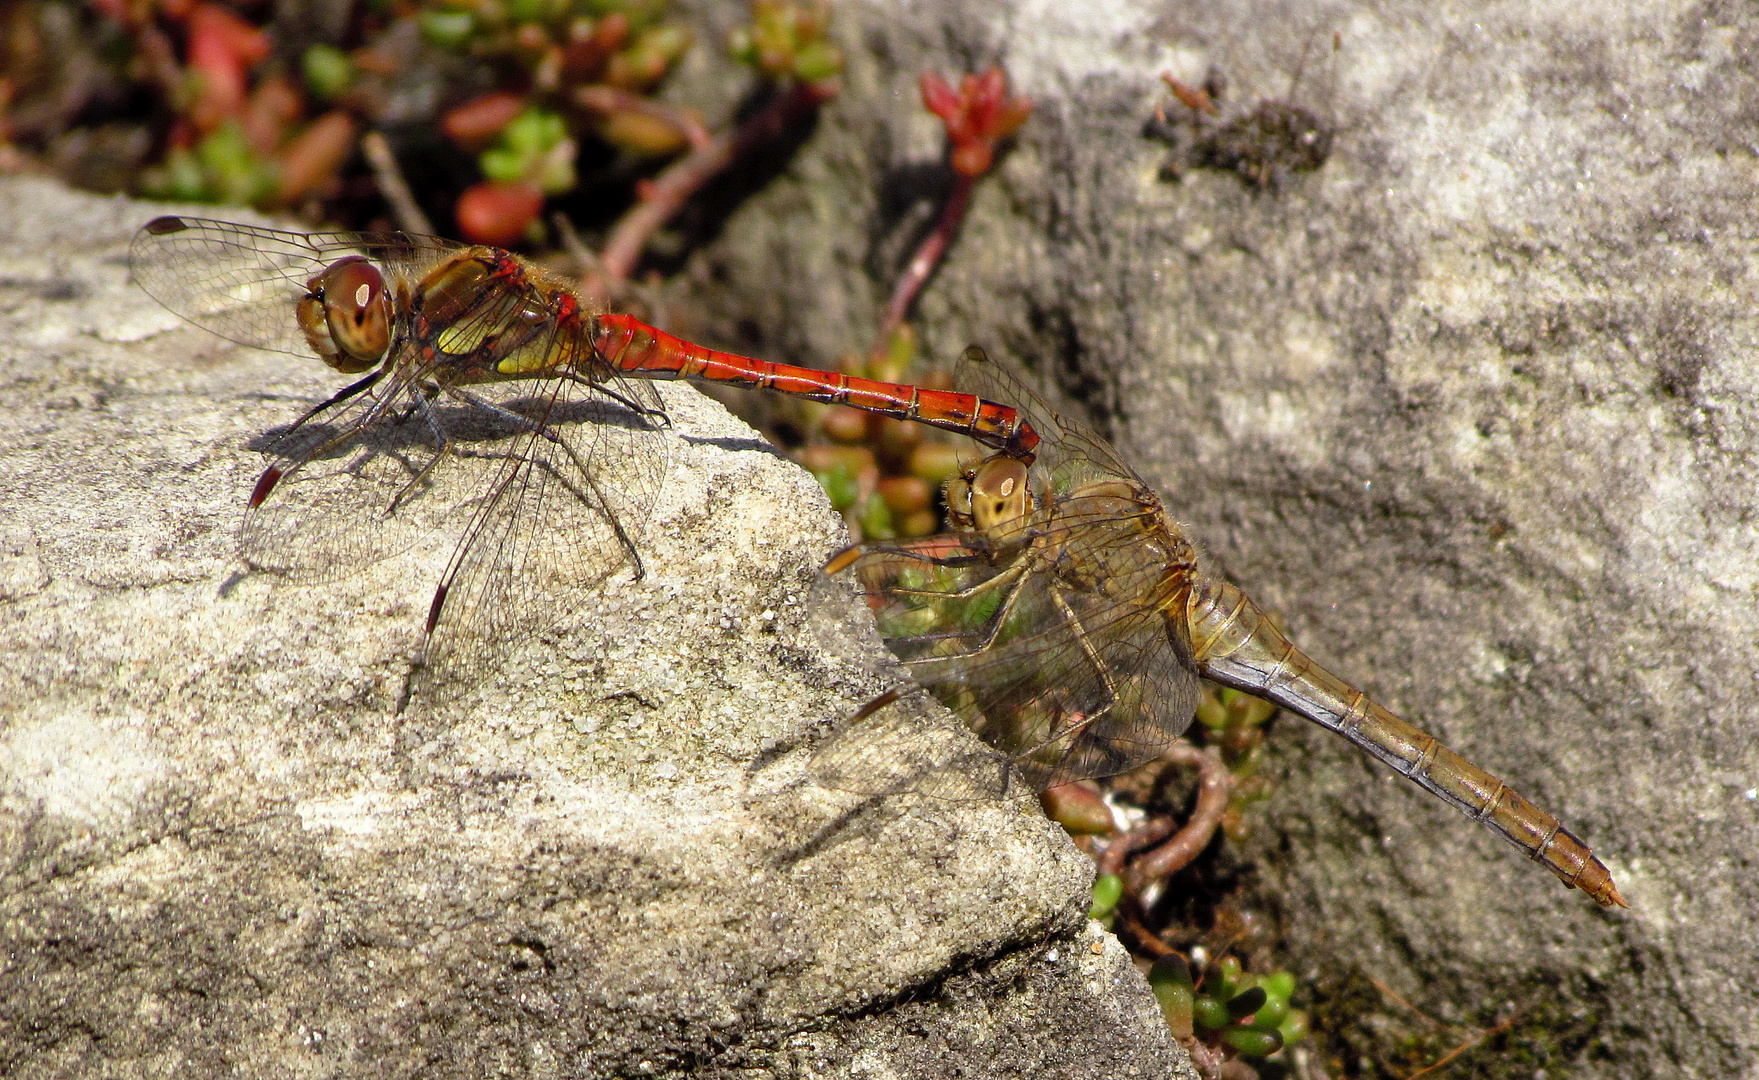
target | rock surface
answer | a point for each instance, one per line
(227, 852)
(1474, 406)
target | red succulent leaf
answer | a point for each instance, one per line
(222, 47)
(220, 25)
(480, 119)
(311, 160)
(939, 98)
(272, 108)
(498, 213)
(978, 116)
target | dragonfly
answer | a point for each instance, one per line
(468, 354)
(1066, 620)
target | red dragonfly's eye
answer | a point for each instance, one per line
(356, 327)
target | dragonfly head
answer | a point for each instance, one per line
(346, 315)
(998, 493)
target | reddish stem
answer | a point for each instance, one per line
(669, 191)
(928, 256)
(1146, 940)
(1215, 783)
(1150, 832)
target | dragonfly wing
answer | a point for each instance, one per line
(242, 281)
(565, 507)
(902, 743)
(1068, 445)
(1074, 685)
(1065, 682)
(350, 491)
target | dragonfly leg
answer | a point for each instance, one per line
(846, 558)
(277, 472)
(1080, 632)
(442, 445)
(656, 417)
(996, 621)
(921, 551)
(519, 420)
(1059, 732)
(963, 594)
(594, 496)
(352, 390)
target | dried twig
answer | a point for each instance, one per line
(1414, 1010)
(585, 262)
(392, 185)
(1433, 1022)
(1463, 1047)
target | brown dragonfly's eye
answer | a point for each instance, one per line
(999, 495)
(355, 326)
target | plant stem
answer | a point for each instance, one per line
(928, 256)
(1214, 785)
(392, 185)
(669, 191)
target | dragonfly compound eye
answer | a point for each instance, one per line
(355, 329)
(998, 492)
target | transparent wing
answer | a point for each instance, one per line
(1070, 450)
(242, 281)
(901, 743)
(565, 506)
(1062, 678)
(348, 491)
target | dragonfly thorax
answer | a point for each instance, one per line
(346, 315)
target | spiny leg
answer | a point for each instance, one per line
(352, 390)
(996, 620)
(656, 417)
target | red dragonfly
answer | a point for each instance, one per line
(468, 353)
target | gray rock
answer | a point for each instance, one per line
(228, 851)
(1473, 406)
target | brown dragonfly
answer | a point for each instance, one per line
(1065, 619)
(468, 355)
